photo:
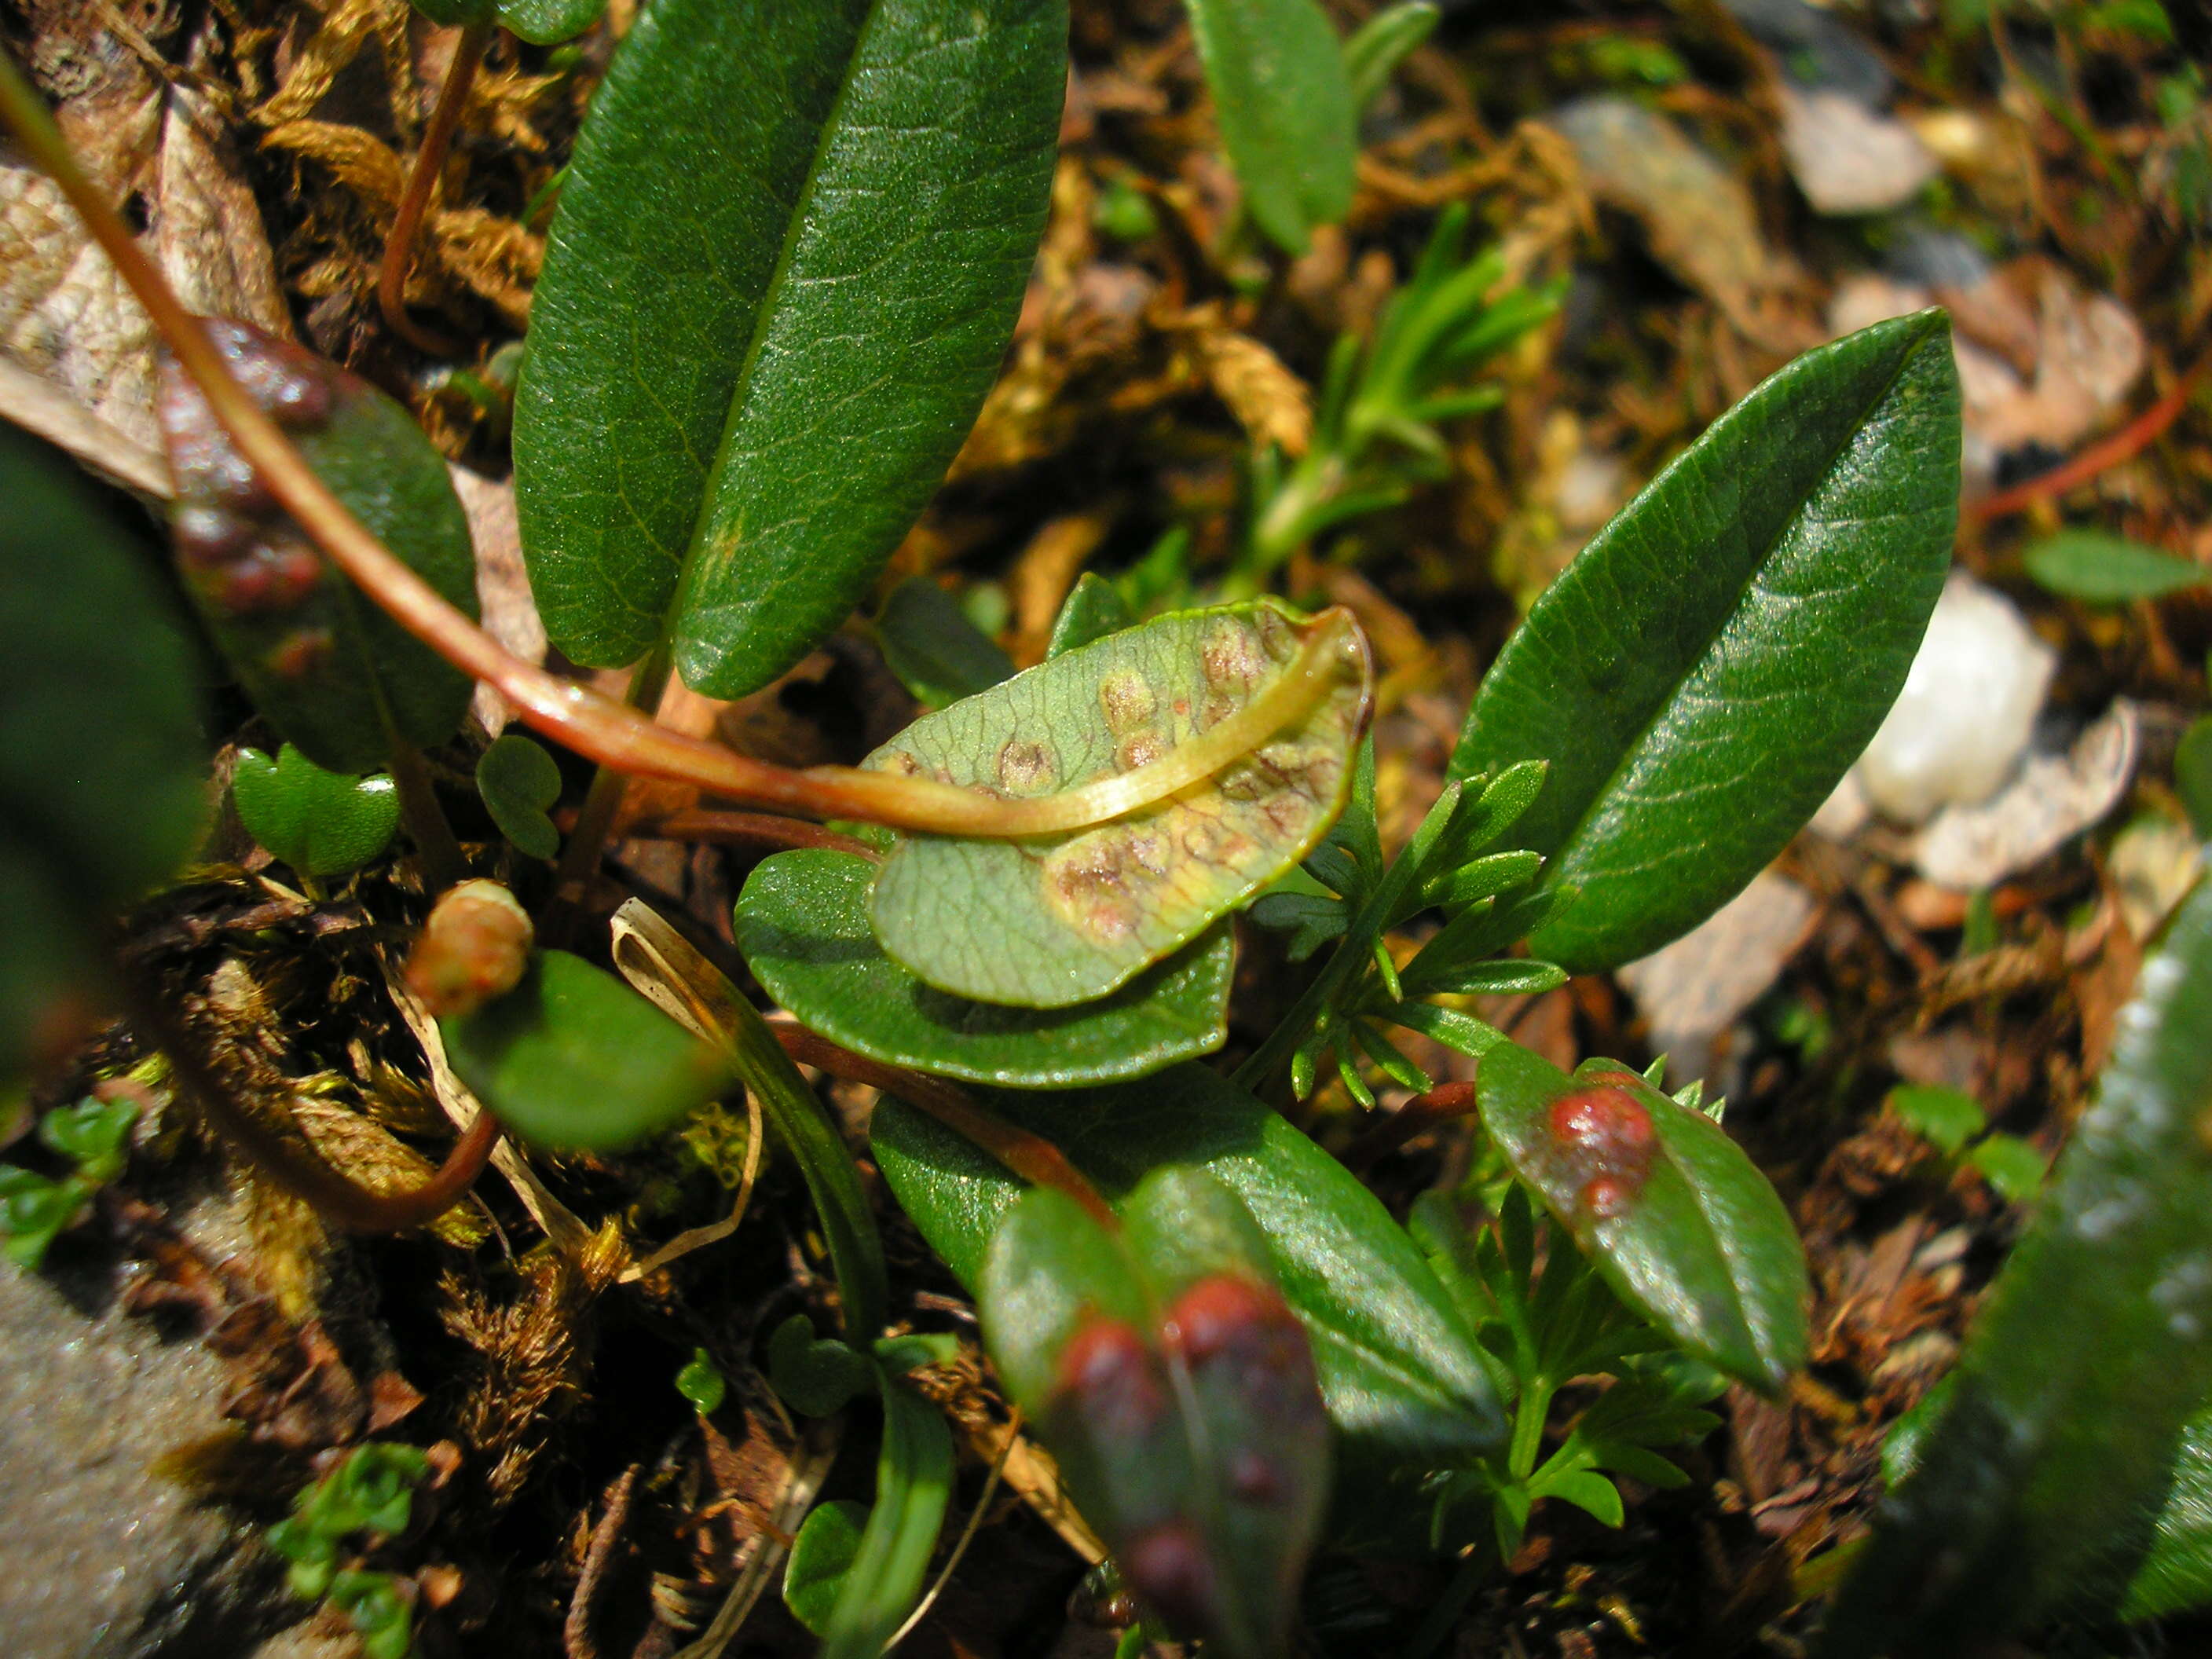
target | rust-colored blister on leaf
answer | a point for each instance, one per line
(1053, 921)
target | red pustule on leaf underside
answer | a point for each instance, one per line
(1605, 1140)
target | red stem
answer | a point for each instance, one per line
(1419, 1115)
(751, 829)
(2129, 441)
(422, 180)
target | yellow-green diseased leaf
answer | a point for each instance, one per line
(1678, 1221)
(1704, 673)
(936, 651)
(1400, 1370)
(1093, 609)
(802, 924)
(103, 764)
(1284, 100)
(572, 1057)
(321, 824)
(2176, 1573)
(519, 781)
(1177, 1387)
(786, 261)
(822, 1557)
(1056, 920)
(2102, 569)
(543, 22)
(2036, 1485)
(329, 670)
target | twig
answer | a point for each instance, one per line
(753, 830)
(576, 1629)
(2130, 441)
(337, 1199)
(1441, 1104)
(422, 180)
(1032, 1157)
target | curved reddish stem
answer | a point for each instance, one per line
(1418, 1116)
(2128, 442)
(422, 180)
(1032, 1157)
(751, 830)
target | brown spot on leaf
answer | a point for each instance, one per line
(1111, 1381)
(1025, 768)
(1140, 750)
(1126, 701)
(1231, 656)
(303, 650)
(1169, 1567)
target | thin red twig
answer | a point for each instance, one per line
(751, 830)
(422, 180)
(2130, 441)
(1418, 1116)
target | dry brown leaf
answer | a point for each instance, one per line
(1269, 402)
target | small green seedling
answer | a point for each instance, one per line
(700, 1383)
(367, 1499)
(518, 781)
(95, 1135)
(1954, 1123)
(320, 822)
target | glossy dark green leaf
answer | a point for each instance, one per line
(2034, 1488)
(543, 22)
(821, 1558)
(788, 256)
(518, 781)
(1176, 1389)
(1049, 922)
(2176, 1574)
(572, 1057)
(2107, 569)
(802, 923)
(331, 672)
(1715, 658)
(1399, 1369)
(1093, 609)
(1284, 103)
(1678, 1221)
(321, 824)
(103, 766)
(936, 651)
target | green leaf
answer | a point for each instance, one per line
(331, 672)
(816, 1375)
(1678, 1221)
(2104, 570)
(1285, 102)
(913, 1479)
(572, 1057)
(1398, 1369)
(788, 258)
(321, 824)
(545, 23)
(95, 1135)
(1053, 921)
(1373, 53)
(2193, 774)
(1093, 609)
(802, 924)
(519, 781)
(2176, 1574)
(103, 765)
(2093, 1350)
(821, 1558)
(1714, 659)
(1177, 1390)
(936, 651)
(2015, 1167)
(700, 1383)
(1945, 1118)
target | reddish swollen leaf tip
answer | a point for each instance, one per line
(1169, 1567)
(1223, 1313)
(1605, 1134)
(1108, 1377)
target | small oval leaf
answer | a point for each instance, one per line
(572, 1057)
(1051, 921)
(822, 1555)
(518, 781)
(329, 670)
(1704, 673)
(545, 23)
(2107, 569)
(802, 924)
(1399, 1367)
(1680, 1222)
(1284, 99)
(321, 824)
(788, 258)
